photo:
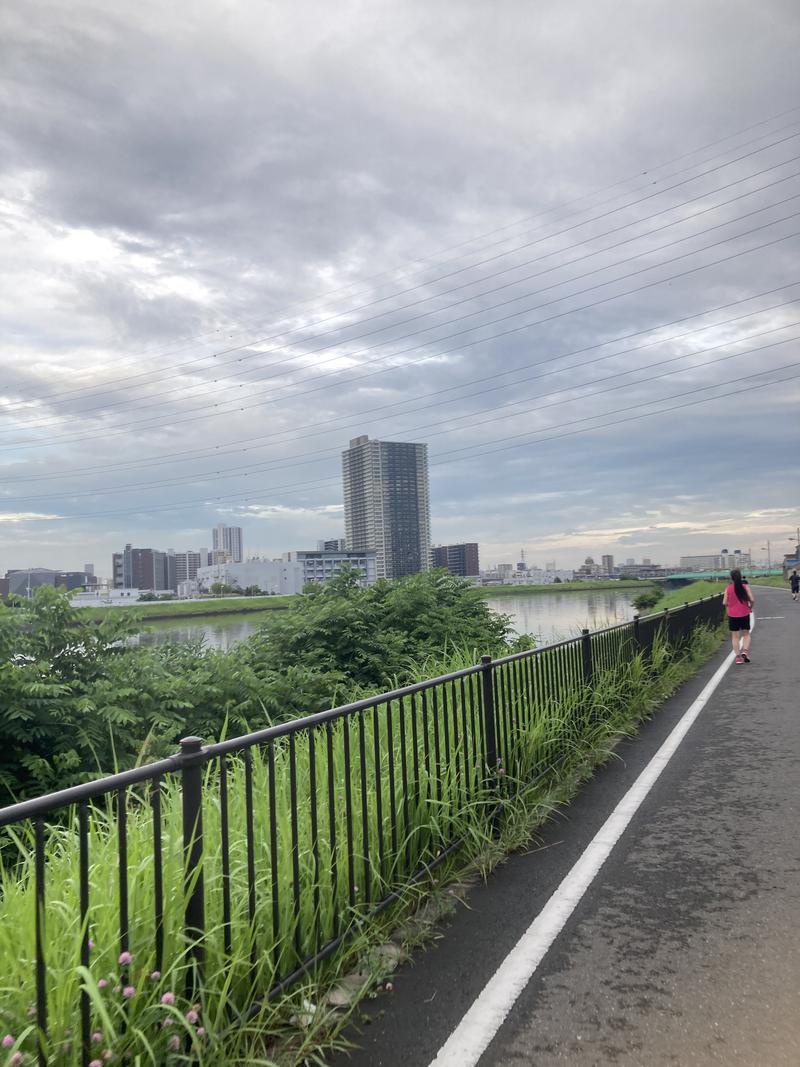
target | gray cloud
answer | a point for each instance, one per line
(177, 183)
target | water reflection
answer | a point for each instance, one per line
(548, 616)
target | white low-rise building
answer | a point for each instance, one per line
(107, 598)
(273, 576)
(319, 565)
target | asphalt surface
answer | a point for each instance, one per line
(686, 948)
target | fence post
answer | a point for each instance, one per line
(637, 640)
(194, 915)
(489, 730)
(586, 650)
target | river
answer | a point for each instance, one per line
(548, 616)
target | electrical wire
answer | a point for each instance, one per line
(446, 457)
(482, 381)
(119, 380)
(306, 458)
(218, 408)
(205, 387)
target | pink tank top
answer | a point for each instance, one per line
(736, 609)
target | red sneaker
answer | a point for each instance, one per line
(739, 659)
(745, 656)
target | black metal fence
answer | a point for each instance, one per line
(242, 865)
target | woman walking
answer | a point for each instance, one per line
(739, 602)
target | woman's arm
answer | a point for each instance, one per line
(725, 598)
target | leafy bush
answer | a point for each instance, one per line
(78, 698)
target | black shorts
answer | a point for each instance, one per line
(740, 623)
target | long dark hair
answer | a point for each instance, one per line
(739, 588)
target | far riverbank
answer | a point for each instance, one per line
(163, 610)
(565, 587)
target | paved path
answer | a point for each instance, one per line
(686, 948)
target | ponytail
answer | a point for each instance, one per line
(741, 591)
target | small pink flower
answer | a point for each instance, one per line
(125, 958)
(201, 1032)
(168, 998)
(91, 944)
(108, 1055)
(96, 1063)
(155, 975)
(8, 1041)
(389, 987)
(129, 992)
(192, 1016)
(97, 1037)
(117, 989)
(102, 983)
(17, 1059)
(174, 1042)
(167, 1023)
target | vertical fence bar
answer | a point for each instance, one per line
(273, 860)
(348, 813)
(487, 707)
(586, 650)
(362, 761)
(83, 880)
(312, 787)
(224, 831)
(247, 757)
(194, 916)
(376, 749)
(401, 711)
(334, 853)
(295, 835)
(464, 736)
(158, 873)
(41, 965)
(426, 748)
(392, 785)
(437, 753)
(122, 872)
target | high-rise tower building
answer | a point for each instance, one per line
(228, 539)
(387, 504)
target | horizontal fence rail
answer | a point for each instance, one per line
(255, 858)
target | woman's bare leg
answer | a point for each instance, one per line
(745, 640)
(735, 641)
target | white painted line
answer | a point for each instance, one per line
(472, 1036)
(762, 618)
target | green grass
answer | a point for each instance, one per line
(676, 598)
(776, 582)
(167, 609)
(564, 587)
(547, 743)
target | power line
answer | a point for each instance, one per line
(216, 452)
(305, 458)
(217, 408)
(445, 458)
(148, 374)
(206, 386)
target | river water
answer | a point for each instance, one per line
(548, 616)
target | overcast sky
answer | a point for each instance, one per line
(556, 242)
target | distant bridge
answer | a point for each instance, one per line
(694, 576)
